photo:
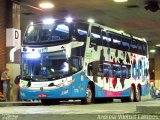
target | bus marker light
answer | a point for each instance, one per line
(48, 21)
(120, 0)
(91, 20)
(69, 19)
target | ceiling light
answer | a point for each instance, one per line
(46, 5)
(121, 31)
(158, 45)
(120, 0)
(69, 19)
(48, 21)
(144, 38)
(152, 51)
(91, 20)
(31, 23)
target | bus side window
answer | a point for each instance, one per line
(117, 44)
(144, 48)
(140, 49)
(129, 71)
(107, 70)
(95, 37)
(106, 39)
(116, 70)
(134, 46)
(93, 68)
(116, 41)
(126, 44)
(80, 32)
(100, 71)
(124, 72)
(96, 69)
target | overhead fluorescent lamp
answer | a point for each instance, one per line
(91, 20)
(121, 31)
(31, 23)
(158, 45)
(46, 5)
(152, 51)
(69, 19)
(120, 0)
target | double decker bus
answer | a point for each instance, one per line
(66, 59)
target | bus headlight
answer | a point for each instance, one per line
(33, 55)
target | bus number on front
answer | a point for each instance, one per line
(43, 50)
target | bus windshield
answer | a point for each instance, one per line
(48, 66)
(55, 33)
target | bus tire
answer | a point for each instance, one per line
(132, 94)
(138, 94)
(89, 96)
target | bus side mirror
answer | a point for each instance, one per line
(17, 79)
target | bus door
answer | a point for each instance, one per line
(75, 65)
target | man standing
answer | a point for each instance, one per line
(5, 79)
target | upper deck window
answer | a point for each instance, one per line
(47, 33)
(95, 38)
(80, 32)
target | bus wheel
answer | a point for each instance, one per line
(89, 96)
(132, 94)
(138, 95)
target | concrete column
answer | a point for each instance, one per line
(13, 21)
(157, 69)
(2, 38)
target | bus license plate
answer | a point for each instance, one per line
(42, 95)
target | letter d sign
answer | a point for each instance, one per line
(16, 34)
(13, 37)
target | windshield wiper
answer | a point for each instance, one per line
(28, 78)
(55, 77)
(51, 78)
